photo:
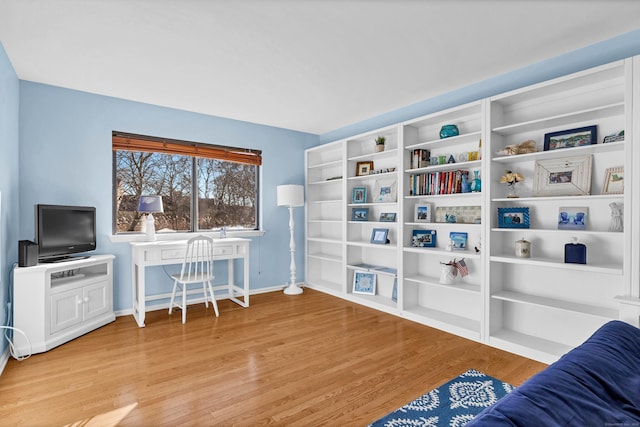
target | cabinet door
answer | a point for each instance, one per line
(95, 299)
(66, 309)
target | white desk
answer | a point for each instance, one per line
(146, 254)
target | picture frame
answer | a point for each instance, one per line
(359, 195)
(385, 191)
(458, 214)
(364, 168)
(458, 240)
(388, 217)
(360, 214)
(571, 138)
(364, 282)
(572, 218)
(513, 217)
(424, 238)
(613, 181)
(422, 212)
(569, 176)
(379, 236)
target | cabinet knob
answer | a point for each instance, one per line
(86, 299)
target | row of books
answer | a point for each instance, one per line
(419, 158)
(434, 183)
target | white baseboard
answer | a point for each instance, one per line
(162, 306)
(4, 359)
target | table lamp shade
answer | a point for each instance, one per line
(150, 204)
(290, 195)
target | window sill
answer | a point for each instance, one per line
(140, 237)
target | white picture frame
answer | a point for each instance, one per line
(385, 191)
(364, 283)
(613, 181)
(422, 212)
(568, 176)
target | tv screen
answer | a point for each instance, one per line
(64, 230)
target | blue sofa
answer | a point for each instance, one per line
(595, 384)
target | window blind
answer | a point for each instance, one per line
(131, 142)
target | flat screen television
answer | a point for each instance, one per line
(64, 230)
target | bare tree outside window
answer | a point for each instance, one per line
(226, 192)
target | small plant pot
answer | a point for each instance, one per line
(379, 148)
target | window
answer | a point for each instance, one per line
(203, 187)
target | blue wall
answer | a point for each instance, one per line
(616, 48)
(66, 158)
(9, 104)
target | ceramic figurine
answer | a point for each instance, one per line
(616, 217)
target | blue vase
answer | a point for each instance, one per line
(465, 187)
(448, 131)
(476, 185)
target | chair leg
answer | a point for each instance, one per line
(173, 295)
(184, 303)
(204, 292)
(213, 300)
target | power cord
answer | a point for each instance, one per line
(8, 329)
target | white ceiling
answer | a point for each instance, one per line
(307, 65)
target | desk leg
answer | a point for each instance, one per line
(245, 278)
(230, 283)
(138, 281)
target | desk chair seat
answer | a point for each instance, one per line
(197, 268)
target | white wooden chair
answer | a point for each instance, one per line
(197, 267)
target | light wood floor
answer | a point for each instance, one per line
(304, 360)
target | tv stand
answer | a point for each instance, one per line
(56, 302)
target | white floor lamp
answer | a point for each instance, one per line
(291, 196)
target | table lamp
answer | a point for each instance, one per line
(291, 196)
(150, 205)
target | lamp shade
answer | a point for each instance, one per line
(150, 204)
(290, 195)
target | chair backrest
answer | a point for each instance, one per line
(198, 260)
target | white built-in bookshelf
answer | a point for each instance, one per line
(539, 306)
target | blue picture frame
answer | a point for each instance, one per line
(459, 240)
(379, 236)
(514, 217)
(359, 195)
(424, 238)
(571, 138)
(360, 214)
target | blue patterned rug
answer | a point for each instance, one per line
(452, 405)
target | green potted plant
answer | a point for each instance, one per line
(380, 140)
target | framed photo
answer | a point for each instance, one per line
(379, 236)
(614, 181)
(513, 217)
(458, 240)
(569, 176)
(385, 191)
(424, 239)
(363, 168)
(359, 195)
(570, 138)
(360, 214)
(422, 212)
(458, 214)
(364, 283)
(573, 218)
(388, 217)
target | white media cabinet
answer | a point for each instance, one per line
(57, 302)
